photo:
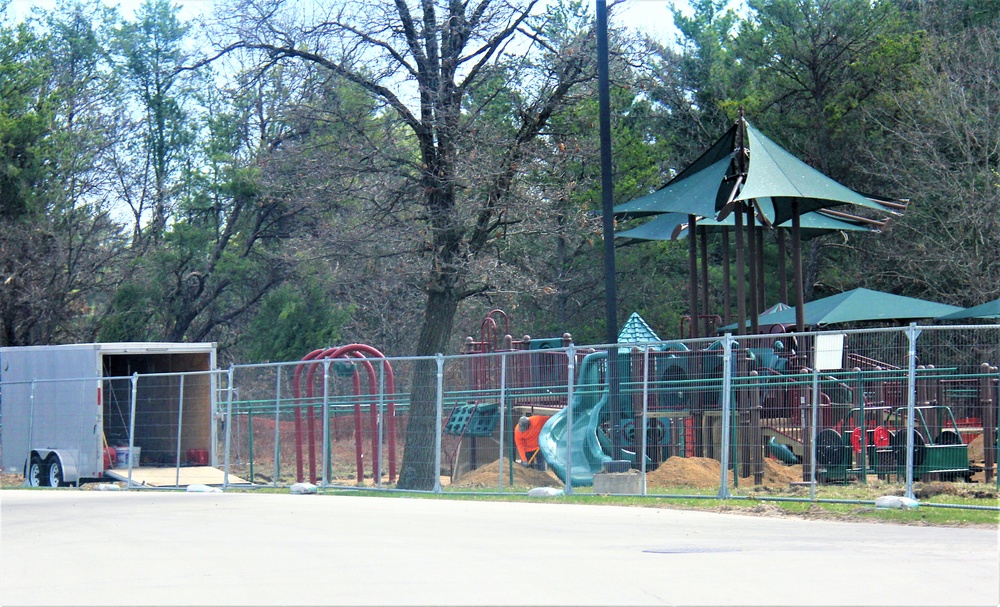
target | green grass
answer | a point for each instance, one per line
(926, 514)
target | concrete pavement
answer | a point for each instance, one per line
(68, 547)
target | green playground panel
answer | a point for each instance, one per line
(475, 419)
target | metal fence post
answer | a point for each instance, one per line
(229, 426)
(131, 426)
(277, 426)
(213, 429)
(381, 421)
(437, 424)
(180, 425)
(727, 412)
(571, 371)
(31, 428)
(812, 426)
(912, 332)
(503, 415)
(645, 414)
(325, 476)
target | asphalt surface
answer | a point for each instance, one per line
(144, 548)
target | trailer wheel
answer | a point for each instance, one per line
(33, 475)
(55, 474)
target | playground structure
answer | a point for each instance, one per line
(344, 361)
(674, 393)
(534, 374)
(669, 405)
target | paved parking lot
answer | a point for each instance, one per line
(145, 548)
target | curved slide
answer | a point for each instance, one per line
(579, 446)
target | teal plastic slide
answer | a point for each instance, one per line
(579, 446)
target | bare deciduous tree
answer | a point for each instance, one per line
(438, 69)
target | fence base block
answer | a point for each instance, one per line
(618, 483)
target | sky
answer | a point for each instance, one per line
(649, 16)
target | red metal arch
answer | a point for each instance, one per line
(310, 363)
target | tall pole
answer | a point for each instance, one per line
(727, 304)
(752, 262)
(607, 199)
(693, 273)
(704, 280)
(741, 293)
(800, 322)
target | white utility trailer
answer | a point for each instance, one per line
(66, 408)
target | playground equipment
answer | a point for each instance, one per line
(534, 378)
(873, 441)
(469, 422)
(674, 393)
(346, 360)
(571, 440)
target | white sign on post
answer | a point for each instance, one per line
(830, 352)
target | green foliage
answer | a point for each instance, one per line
(815, 64)
(150, 51)
(26, 116)
(293, 321)
(129, 317)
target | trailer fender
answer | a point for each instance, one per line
(67, 460)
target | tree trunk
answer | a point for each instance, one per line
(417, 471)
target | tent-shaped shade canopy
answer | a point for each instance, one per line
(695, 194)
(990, 310)
(774, 173)
(673, 226)
(774, 180)
(858, 305)
(693, 190)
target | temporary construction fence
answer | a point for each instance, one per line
(790, 414)
(800, 413)
(154, 429)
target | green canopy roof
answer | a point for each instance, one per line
(673, 226)
(855, 306)
(636, 331)
(990, 309)
(775, 178)
(772, 172)
(695, 193)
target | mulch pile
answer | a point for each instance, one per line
(976, 453)
(704, 473)
(698, 472)
(488, 475)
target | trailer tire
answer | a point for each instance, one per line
(34, 472)
(54, 473)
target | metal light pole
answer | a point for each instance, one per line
(607, 200)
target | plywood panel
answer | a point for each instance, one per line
(167, 477)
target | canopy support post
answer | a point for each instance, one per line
(727, 304)
(800, 315)
(762, 301)
(782, 271)
(752, 262)
(693, 273)
(704, 281)
(741, 289)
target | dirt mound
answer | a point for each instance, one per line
(487, 477)
(976, 453)
(776, 473)
(703, 473)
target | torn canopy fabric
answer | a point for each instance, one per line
(774, 180)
